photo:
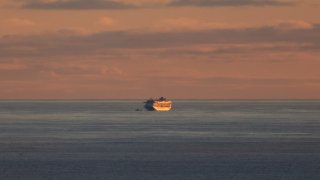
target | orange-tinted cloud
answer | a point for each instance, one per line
(185, 24)
(216, 3)
(289, 25)
(19, 22)
(106, 21)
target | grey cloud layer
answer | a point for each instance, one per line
(78, 4)
(109, 42)
(111, 4)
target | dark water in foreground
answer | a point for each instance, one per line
(93, 140)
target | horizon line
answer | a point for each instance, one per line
(189, 99)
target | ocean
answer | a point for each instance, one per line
(110, 140)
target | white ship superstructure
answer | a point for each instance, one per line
(161, 104)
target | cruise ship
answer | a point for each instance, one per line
(161, 104)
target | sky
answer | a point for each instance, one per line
(181, 49)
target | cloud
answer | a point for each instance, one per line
(235, 81)
(127, 4)
(291, 25)
(77, 4)
(275, 50)
(217, 3)
(233, 63)
(106, 21)
(184, 23)
(20, 22)
(111, 43)
(257, 81)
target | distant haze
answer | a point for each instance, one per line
(181, 49)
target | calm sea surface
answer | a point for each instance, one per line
(102, 140)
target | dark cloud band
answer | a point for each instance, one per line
(101, 42)
(111, 4)
(78, 5)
